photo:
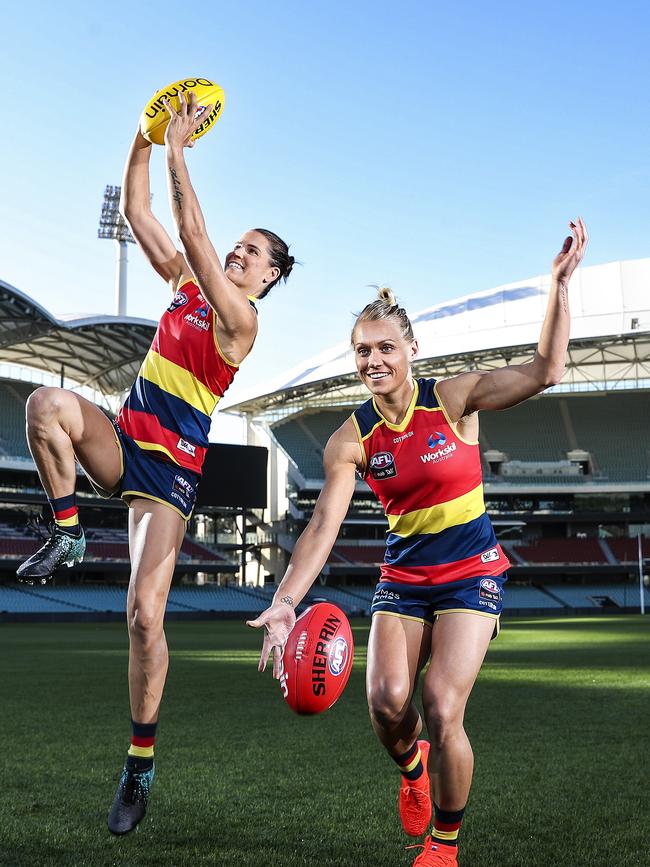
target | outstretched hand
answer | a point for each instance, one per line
(572, 252)
(184, 122)
(278, 621)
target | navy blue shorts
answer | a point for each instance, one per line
(482, 595)
(144, 475)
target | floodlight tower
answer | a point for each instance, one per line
(112, 225)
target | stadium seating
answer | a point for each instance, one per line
(304, 438)
(103, 544)
(322, 425)
(565, 551)
(358, 554)
(523, 596)
(590, 595)
(627, 550)
(614, 428)
(79, 599)
(531, 431)
(352, 604)
(13, 396)
(307, 456)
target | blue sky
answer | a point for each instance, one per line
(439, 148)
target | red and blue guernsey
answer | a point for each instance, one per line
(182, 378)
(430, 483)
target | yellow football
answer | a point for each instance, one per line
(155, 118)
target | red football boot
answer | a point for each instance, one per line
(415, 799)
(433, 855)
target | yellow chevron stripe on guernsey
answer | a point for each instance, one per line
(412, 764)
(175, 380)
(462, 510)
(141, 752)
(445, 835)
(155, 447)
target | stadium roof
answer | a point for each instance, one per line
(101, 352)
(610, 340)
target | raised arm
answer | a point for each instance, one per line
(236, 317)
(314, 545)
(135, 207)
(507, 386)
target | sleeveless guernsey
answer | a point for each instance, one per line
(180, 382)
(429, 482)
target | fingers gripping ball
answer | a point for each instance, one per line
(155, 118)
(317, 659)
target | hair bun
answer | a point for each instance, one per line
(386, 295)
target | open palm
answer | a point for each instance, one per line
(572, 252)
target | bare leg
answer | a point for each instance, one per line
(62, 425)
(155, 538)
(459, 642)
(397, 648)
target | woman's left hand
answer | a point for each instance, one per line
(184, 122)
(571, 254)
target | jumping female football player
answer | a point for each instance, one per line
(152, 455)
(440, 593)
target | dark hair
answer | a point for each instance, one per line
(280, 258)
(386, 307)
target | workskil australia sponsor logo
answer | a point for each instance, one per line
(443, 453)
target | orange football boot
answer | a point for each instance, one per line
(415, 799)
(435, 856)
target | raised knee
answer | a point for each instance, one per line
(44, 404)
(387, 703)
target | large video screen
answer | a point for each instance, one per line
(234, 476)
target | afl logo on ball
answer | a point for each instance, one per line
(382, 465)
(338, 656)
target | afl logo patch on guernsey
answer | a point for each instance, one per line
(180, 298)
(382, 465)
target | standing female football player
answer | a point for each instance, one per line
(152, 455)
(440, 593)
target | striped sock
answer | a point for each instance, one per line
(446, 825)
(65, 514)
(410, 763)
(140, 755)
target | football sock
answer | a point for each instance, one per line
(446, 825)
(410, 763)
(66, 515)
(140, 755)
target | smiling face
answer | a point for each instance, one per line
(249, 266)
(383, 357)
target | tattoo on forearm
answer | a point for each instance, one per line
(178, 196)
(563, 297)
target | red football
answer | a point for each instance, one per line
(317, 659)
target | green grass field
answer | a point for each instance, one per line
(559, 721)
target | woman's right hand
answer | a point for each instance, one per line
(183, 123)
(278, 620)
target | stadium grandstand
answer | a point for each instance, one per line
(566, 475)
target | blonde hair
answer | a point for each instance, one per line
(385, 307)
